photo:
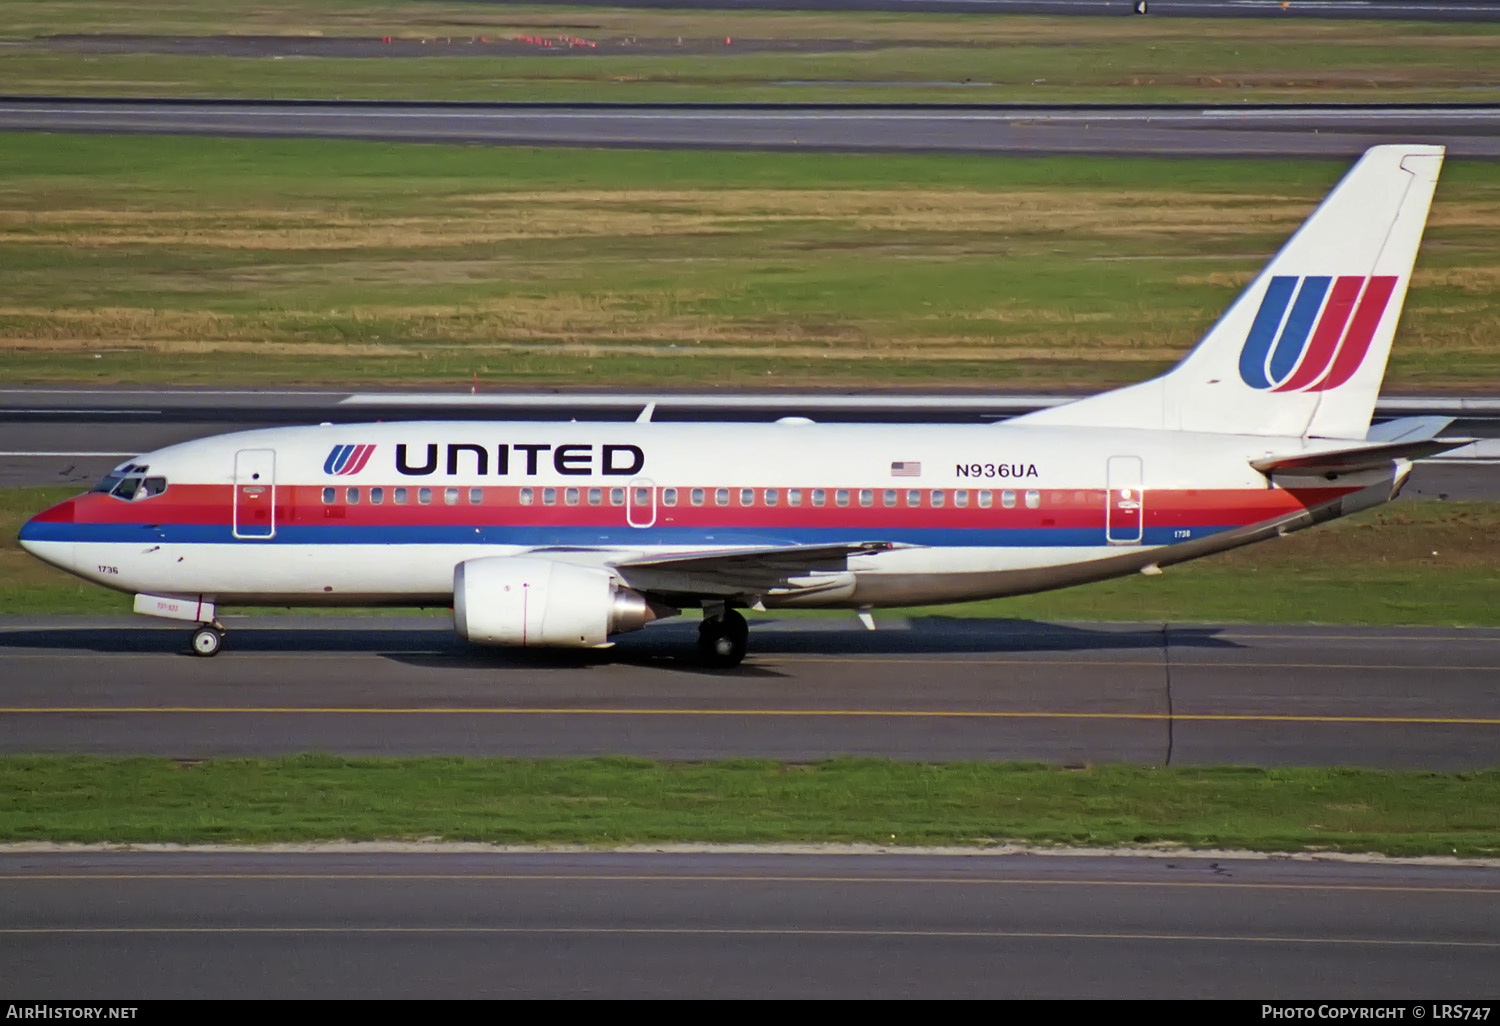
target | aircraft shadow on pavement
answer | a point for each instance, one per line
(667, 646)
(938, 635)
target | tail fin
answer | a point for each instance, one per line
(1303, 349)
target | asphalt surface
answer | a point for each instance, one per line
(1430, 10)
(930, 689)
(73, 437)
(131, 926)
(1341, 131)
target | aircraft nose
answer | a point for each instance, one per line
(46, 535)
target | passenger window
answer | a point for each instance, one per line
(819, 496)
(643, 496)
(424, 496)
(794, 496)
(772, 496)
(914, 498)
(476, 496)
(697, 496)
(986, 500)
(329, 495)
(527, 496)
(888, 497)
(617, 496)
(841, 496)
(1008, 499)
(450, 496)
(721, 496)
(961, 498)
(549, 496)
(596, 497)
(747, 496)
(570, 496)
(938, 498)
(1033, 499)
(351, 496)
(866, 497)
(669, 496)
(399, 496)
(377, 496)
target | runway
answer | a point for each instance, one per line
(1249, 130)
(129, 926)
(74, 436)
(1383, 10)
(930, 689)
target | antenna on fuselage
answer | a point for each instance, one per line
(645, 417)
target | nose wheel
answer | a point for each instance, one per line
(207, 640)
(723, 639)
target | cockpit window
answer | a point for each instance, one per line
(132, 487)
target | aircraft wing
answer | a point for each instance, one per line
(749, 570)
(786, 559)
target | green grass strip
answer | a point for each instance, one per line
(617, 801)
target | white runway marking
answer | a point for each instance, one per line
(97, 413)
(69, 454)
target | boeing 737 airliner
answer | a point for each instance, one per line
(565, 534)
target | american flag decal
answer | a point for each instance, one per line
(901, 468)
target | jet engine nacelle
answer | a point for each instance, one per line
(519, 600)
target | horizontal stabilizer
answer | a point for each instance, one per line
(1359, 457)
(1408, 429)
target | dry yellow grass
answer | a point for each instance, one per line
(457, 269)
(505, 216)
(647, 321)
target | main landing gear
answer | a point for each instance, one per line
(208, 639)
(723, 638)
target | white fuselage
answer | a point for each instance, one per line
(382, 513)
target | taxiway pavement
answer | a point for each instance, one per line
(930, 689)
(1343, 131)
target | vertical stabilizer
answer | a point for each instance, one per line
(1303, 349)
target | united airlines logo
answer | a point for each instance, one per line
(1311, 334)
(348, 459)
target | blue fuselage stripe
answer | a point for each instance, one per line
(533, 537)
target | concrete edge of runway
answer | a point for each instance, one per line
(478, 848)
(834, 398)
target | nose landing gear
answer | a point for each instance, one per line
(208, 639)
(723, 639)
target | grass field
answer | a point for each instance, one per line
(631, 801)
(133, 259)
(1435, 563)
(915, 57)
